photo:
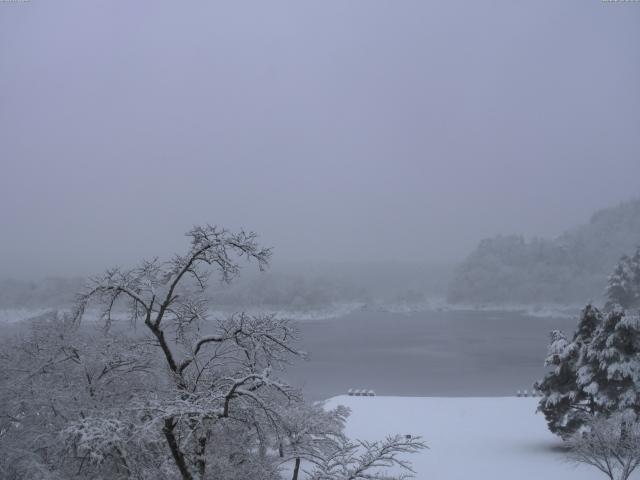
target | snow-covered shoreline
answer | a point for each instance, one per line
(431, 305)
(337, 310)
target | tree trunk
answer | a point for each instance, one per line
(296, 469)
(178, 456)
(200, 456)
(262, 445)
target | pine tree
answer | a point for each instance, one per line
(598, 372)
(564, 404)
(623, 286)
(610, 371)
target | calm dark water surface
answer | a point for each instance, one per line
(426, 353)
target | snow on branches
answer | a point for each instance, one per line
(612, 445)
(364, 460)
(172, 392)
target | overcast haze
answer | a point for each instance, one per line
(338, 130)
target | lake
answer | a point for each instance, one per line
(435, 353)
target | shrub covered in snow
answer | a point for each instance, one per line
(612, 445)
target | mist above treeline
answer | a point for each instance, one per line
(502, 270)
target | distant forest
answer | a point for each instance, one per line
(572, 268)
(288, 286)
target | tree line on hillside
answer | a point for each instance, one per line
(569, 269)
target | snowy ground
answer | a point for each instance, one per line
(469, 438)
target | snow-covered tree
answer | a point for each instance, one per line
(158, 389)
(59, 377)
(609, 372)
(219, 371)
(610, 444)
(597, 373)
(364, 460)
(311, 434)
(564, 404)
(623, 286)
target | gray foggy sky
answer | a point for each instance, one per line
(339, 130)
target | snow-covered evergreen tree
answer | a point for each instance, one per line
(597, 373)
(623, 286)
(564, 404)
(610, 371)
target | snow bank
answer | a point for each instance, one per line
(468, 438)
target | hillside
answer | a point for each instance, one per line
(572, 268)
